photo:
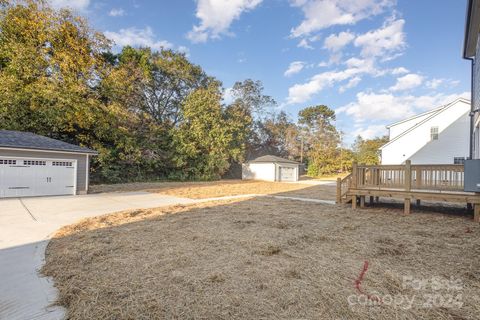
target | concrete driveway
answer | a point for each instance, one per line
(25, 227)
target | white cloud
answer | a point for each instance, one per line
(370, 132)
(78, 5)
(321, 14)
(304, 44)
(399, 70)
(300, 93)
(294, 67)
(136, 37)
(382, 42)
(216, 16)
(388, 107)
(434, 83)
(385, 43)
(336, 42)
(350, 84)
(408, 81)
(116, 12)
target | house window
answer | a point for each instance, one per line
(458, 160)
(434, 133)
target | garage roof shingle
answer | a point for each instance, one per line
(270, 158)
(28, 140)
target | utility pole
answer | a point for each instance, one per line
(301, 151)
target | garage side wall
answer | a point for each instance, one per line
(82, 166)
(258, 171)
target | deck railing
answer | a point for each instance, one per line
(433, 182)
(343, 185)
(438, 178)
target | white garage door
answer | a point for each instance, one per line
(22, 177)
(287, 174)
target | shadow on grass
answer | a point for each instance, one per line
(262, 258)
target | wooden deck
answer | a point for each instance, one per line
(438, 183)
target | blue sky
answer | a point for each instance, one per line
(373, 61)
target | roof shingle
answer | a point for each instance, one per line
(270, 158)
(28, 140)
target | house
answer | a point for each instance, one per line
(270, 168)
(434, 137)
(471, 51)
(34, 165)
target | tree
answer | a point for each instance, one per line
(249, 107)
(203, 139)
(159, 82)
(278, 135)
(249, 94)
(368, 151)
(49, 65)
(321, 139)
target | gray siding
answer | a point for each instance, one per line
(82, 165)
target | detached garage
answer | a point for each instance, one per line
(33, 165)
(270, 168)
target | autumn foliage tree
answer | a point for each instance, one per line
(151, 114)
(321, 139)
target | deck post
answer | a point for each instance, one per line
(406, 209)
(354, 175)
(476, 212)
(371, 200)
(354, 184)
(418, 202)
(339, 190)
(408, 175)
(362, 201)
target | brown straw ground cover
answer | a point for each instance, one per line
(267, 259)
(212, 189)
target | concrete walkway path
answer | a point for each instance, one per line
(25, 227)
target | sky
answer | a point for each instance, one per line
(374, 62)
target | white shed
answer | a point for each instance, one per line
(270, 168)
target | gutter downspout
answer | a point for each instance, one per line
(472, 106)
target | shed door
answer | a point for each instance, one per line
(287, 174)
(28, 177)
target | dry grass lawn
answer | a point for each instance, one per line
(213, 189)
(264, 259)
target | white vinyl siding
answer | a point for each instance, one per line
(399, 128)
(417, 145)
(270, 171)
(258, 171)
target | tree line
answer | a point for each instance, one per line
(150, 114)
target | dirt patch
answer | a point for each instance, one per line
(258, 259)
(203, 190)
